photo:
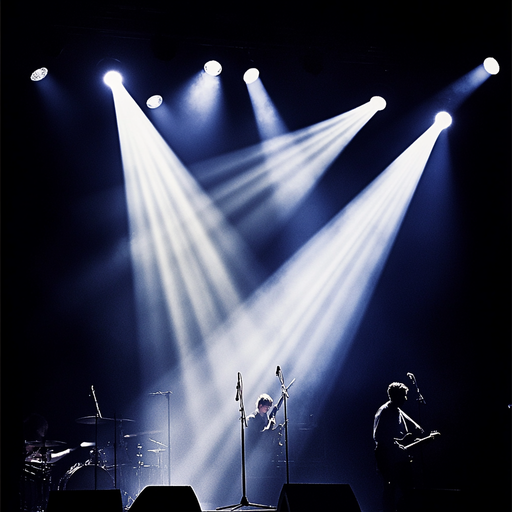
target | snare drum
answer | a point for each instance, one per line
(86, 477)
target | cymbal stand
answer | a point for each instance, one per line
(46, 475)
(115, 451)
(98, 416)
(244, 502)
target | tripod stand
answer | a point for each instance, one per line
(244, 502)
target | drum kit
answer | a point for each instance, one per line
(128, 464)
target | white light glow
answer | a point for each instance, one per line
(251, 75)
(491, 66)
(379, 102)
(154, 101)
(113, 79)
(213, 68)
(38, 74)
(443, 120)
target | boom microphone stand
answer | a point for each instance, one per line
(284, 395)
(244, 502)
(421, 401)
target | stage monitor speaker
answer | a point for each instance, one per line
(85, 501)
(159, 498)
(313, 497)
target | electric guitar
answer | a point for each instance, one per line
(402, 452)
(272, 416)
(405, 444)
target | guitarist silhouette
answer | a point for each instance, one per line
(394, 444)
(264, 477)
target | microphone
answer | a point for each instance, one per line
(238, 387)
(278, 371)
(411, 376)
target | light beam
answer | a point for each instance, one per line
(259, 188)
(191, 269)
(267, 117)
(460, 90)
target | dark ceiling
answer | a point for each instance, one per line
(360, 31)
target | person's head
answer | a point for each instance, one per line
(397, 392)
(264, 403)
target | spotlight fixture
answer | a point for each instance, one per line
(213, 68)
(155, 101)
(379, 102)
(38, 74)
(113, 78)
(251, 75)
(491, 66)
(443, 120)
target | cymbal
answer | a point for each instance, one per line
(146, 433)
(93, 420)
(47, 444)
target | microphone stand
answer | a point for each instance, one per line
(420, 398)
(420, 401)
(244, 502)
(284, 394)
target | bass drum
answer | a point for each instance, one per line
(84, 477)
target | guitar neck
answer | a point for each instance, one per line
(420, 441)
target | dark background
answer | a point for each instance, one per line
(442, 307)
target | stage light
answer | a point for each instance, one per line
(213, 68)
(443, 120)
(378, 102)
(38, 74)
(113, 78)
(155, 101)
(251, 75)
(491, 66)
